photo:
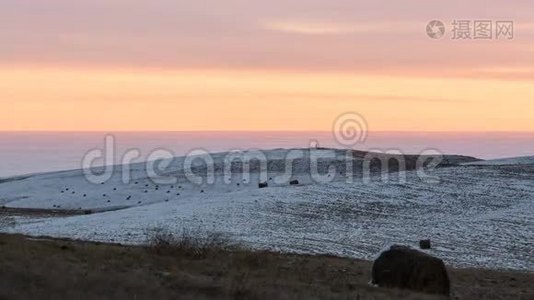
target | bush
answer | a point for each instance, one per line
(5, 222)
(191, 243)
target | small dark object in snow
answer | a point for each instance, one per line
(73, 192)
(178, 194)
(202, 191)
(172, 186)
(87, 212)
(262, 185)
(294, 182)
(103, 195)
(109, 201)
(168, 192)
(85, 195)
(139, 202)
(62, 192)
(405, 268)
(238, 184)
(114, 189)
(424, 244)
(136, 182)
(166, 200)
(67, 189)
(146, 191)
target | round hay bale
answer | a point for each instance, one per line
(405, 268)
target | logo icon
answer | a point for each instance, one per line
(350, 129)
(435, 29)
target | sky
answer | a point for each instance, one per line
(262, 65)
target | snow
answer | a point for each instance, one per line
(524, 160)
(476, 216)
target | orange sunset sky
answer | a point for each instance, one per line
(261, 65)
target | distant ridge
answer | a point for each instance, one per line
(522, 160)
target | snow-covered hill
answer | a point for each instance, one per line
(475, 215)
(524, 160)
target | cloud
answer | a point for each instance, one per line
(318, 27)
(308, 27)
(379, 36)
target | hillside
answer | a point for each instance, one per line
(476, 216)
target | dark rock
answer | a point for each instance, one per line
(424, 244)
(405, 268)
(294, 182)
(262, 185)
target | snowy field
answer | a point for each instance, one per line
(476, 215)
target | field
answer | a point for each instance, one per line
(476, 215)
(62, 269)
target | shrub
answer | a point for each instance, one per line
(191, 243)
(6, 222)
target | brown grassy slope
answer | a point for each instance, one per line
(55, 269)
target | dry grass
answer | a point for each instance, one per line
(169, 269)
(196, 244)
(6, 221)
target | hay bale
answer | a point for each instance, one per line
(425, 244)
(405, 268)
